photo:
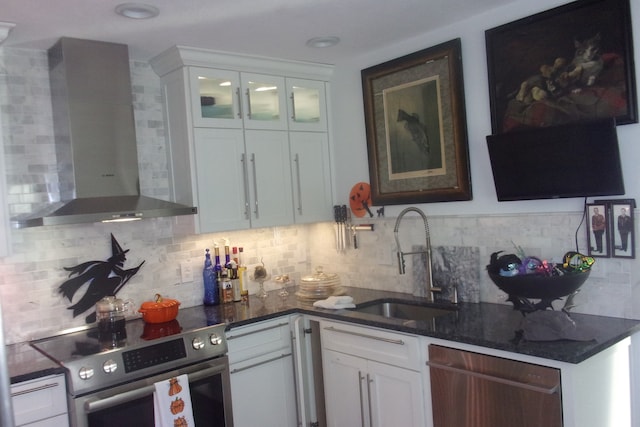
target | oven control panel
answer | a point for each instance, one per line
(153, 355)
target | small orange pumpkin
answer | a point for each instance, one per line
(159, 311)
(180, 422)
(177, 406)
(174, 387)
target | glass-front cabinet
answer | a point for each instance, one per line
(215, 98)
(229, 99)
(307, 105)
(264, 102)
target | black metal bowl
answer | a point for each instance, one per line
(539, 286)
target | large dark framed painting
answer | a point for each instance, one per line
(568, 64)
(416, 127)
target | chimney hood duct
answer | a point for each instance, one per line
(95, 139)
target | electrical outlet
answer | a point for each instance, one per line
(186, 272)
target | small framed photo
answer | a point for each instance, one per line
(598, 230)
(621, 223)
(623, 235)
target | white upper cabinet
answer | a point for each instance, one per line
(311, 175)
(249, 141)
(307, 105)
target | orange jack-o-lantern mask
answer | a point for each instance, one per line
(360, 199)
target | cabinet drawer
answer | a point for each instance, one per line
(39, 399)
(57, 421)
(258, 339)
(383, 346)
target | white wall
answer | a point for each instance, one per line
(350, 149)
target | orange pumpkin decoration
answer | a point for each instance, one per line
(177, 406)
(180, 422)
(360, 199)
(174, 387)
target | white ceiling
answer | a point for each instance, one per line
(277, 28)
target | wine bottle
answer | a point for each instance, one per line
(211, 291)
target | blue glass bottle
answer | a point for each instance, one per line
(211, 291)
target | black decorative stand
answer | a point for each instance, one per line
(524, 288)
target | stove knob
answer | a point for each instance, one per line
(109, 366)
(197, 343)
(215, 339)
(85, 373)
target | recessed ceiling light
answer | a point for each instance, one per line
(5, 29)
(327, 41)
(137, 10)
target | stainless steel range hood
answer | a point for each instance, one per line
(95, 139)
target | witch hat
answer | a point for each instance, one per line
(117, 254)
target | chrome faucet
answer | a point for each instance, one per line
(430, 288)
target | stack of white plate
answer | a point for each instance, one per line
(319, 285)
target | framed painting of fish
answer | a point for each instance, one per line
(568, 64)
(416, 127)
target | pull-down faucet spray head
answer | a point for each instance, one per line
(427, 251)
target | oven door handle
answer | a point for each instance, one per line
(97, 404)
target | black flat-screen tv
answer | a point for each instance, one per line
(572, 160)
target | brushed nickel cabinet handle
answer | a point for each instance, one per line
(255, 185)
(264, 362)
(245, 178)
(358, 334)
(34, 389)
(297, 160)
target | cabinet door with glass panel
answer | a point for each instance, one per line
(215, 98)
(307, 105)
(263, 101)
(230, 99)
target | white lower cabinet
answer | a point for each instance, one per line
(262, 376)
(40, 402)
(371, 377)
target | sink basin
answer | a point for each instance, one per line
(404, 310)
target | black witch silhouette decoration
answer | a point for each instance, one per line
(105, 278)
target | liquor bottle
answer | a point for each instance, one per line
(226, 287)
(217, 267)
(242, 276)
(211, 291)
(227, 255)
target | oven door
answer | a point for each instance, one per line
(132, 404)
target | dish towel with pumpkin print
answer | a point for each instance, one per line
(172, 403)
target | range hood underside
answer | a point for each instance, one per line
(103, 209)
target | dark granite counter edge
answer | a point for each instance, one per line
(483, 324)
(26, 363)
(503, 338)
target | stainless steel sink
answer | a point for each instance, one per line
(405, 310)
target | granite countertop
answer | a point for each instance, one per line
(25, 363)
(487, 325)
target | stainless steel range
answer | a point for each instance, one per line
(110, 376)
